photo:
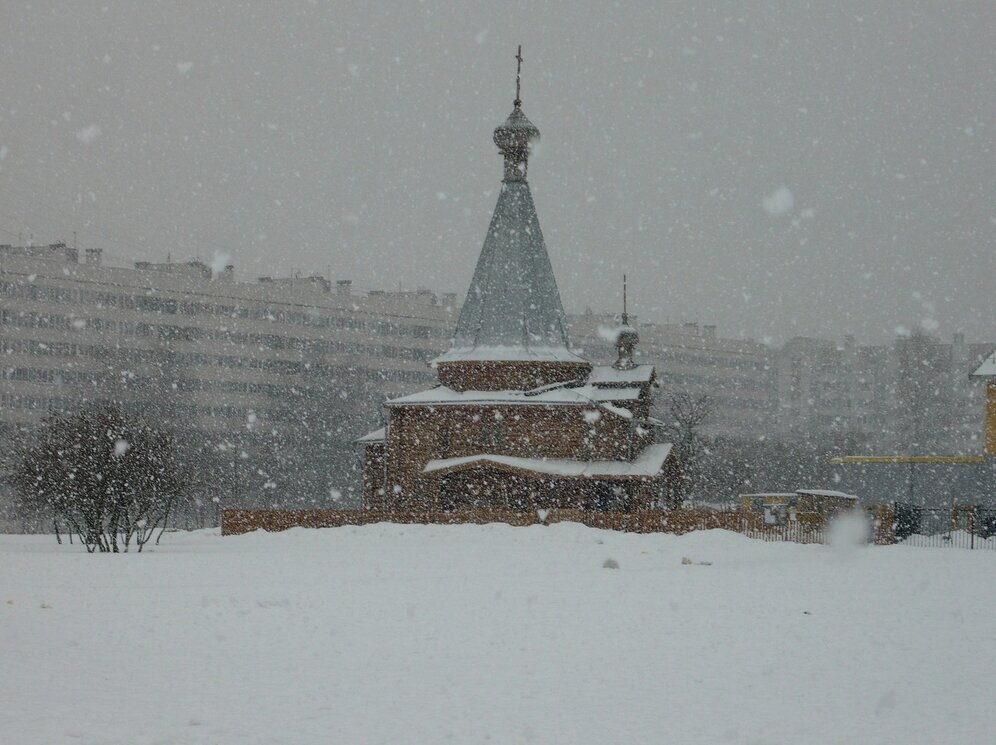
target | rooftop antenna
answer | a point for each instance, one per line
(625, 315)
(518, 77)
(626, 339)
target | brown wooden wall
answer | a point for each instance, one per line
(374, 461)
(508, 375)
(418, 434)
(235, 522)
(501, 489)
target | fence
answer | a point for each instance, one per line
(808, 529)
(964, 526)
(793, 531)
(970, 527)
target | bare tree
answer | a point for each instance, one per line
(110, 479)
(683, 421)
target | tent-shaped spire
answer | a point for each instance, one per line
(513, 309)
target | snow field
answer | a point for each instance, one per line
(493, 634)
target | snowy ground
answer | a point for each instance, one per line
(474, 634)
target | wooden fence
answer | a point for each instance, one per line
(807, 529)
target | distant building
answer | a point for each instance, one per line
(914, 396)
(519, 419)
(830, 390)
(939, 410)
(738, 375)
(263, 370)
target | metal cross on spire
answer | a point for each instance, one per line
(518, 77)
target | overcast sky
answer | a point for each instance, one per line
(818, 168)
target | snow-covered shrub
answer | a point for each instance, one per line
(109, 479)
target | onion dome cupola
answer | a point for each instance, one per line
(513, 137)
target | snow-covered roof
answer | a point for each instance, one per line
(583, 396)
(506, 353)
(378, 435)
(649, 463)
(825, 493)
(513, 307)
(987, 368)
(608, 375)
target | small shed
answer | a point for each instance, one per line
(778, 507)
(824, 501)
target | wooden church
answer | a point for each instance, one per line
(519, 420)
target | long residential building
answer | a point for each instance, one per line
(259, 366)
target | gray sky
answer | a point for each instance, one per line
(788, 168)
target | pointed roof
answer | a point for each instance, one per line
(513, 309)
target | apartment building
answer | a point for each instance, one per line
(830, 389)
(940, 408)
(914, 396)
(270, 367)
(738, 375)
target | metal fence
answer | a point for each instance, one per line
(963, 526)
(792, 531)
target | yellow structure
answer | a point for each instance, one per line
(988, 370)
(906, 459)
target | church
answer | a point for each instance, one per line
(519, 419)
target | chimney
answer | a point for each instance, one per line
(344, 287)
(93, 256)
(449, 299)
(228, 273)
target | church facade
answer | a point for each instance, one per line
(520, 420)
